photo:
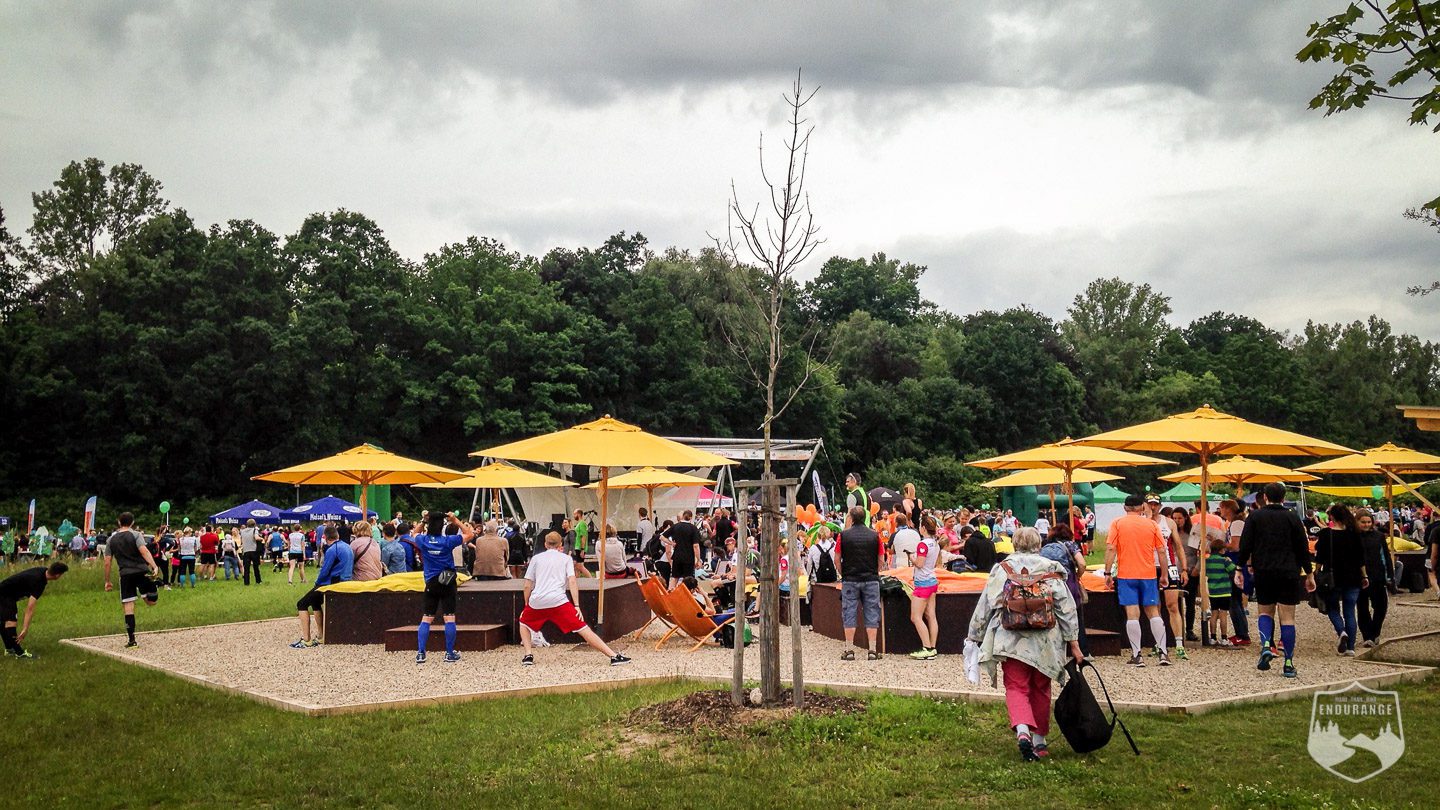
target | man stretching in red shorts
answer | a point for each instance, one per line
(550, 575)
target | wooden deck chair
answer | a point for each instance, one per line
(690, 618)
(653, 590)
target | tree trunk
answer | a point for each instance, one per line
(769, 567)
(737, 655)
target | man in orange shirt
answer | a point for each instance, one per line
(1131, 547)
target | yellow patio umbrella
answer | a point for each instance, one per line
(1049, 477)
(365, 466)
(1208, 433)
(651, 479)
(1369, 491)
(605, 443)
(497, 476)
(1067, 457)
(1389, 461)
(1240, 471)
(501, 475)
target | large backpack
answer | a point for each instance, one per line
(825, 569)
(1079, 716)
(1025, 601)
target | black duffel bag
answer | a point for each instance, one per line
(1079, 716)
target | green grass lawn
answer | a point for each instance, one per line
(87, 731)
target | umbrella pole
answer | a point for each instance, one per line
(1053, 519)
(1070, 502)
(1204, 543)
(600, 548)
(1390, 506)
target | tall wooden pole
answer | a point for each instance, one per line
(600, 550)
(737, 656)
(797, 675)
(1070, 499)
(769, 588)
(1390, 506)
(1204, 539)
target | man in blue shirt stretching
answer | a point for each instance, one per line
(339, 565)
(443, 534)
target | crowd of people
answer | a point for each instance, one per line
(1168, 567)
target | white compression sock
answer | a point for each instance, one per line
(1038, 739)
(1132, 629)
(1021, 729)
(1157, 629)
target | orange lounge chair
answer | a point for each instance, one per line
(690, 618)
(653, 590)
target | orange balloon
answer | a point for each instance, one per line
(812, 513)
(799, 513)
(874, 508)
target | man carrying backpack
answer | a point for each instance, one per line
(1026, 620)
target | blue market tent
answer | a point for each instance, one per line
(327, 508)
(258, 511)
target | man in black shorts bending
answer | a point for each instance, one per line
(29, 585)
(1275, 547)
(138, 571)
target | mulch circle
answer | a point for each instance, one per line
(712, 709)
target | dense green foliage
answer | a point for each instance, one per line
(94, 732)
(1382, 50)
(144, 356)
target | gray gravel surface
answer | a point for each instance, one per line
(255, 657)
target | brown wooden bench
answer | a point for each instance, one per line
(468, 637)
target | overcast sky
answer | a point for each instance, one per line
(1018, 150)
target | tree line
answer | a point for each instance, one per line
(144, 355)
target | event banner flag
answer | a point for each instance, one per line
(819, 492)
(30, 519)
(90, 514)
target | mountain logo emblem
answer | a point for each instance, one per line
(1356, 732)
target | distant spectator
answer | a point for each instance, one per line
(392, 551)
(491, 554)
(367, 554)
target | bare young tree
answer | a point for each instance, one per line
(772, 244)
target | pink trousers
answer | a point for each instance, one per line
(1027, 695)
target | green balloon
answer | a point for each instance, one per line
(186, 522)
(164, 507)
(984, 506)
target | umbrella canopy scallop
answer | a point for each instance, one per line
(366, 465)
(651, 478)
(1386, 457)
(1207, 432)
(605, 442)
(501, 475)
(1241, 470)
(258, 511)
(1049, 477)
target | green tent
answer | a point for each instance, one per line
(1104, 493)
(1187, 493)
